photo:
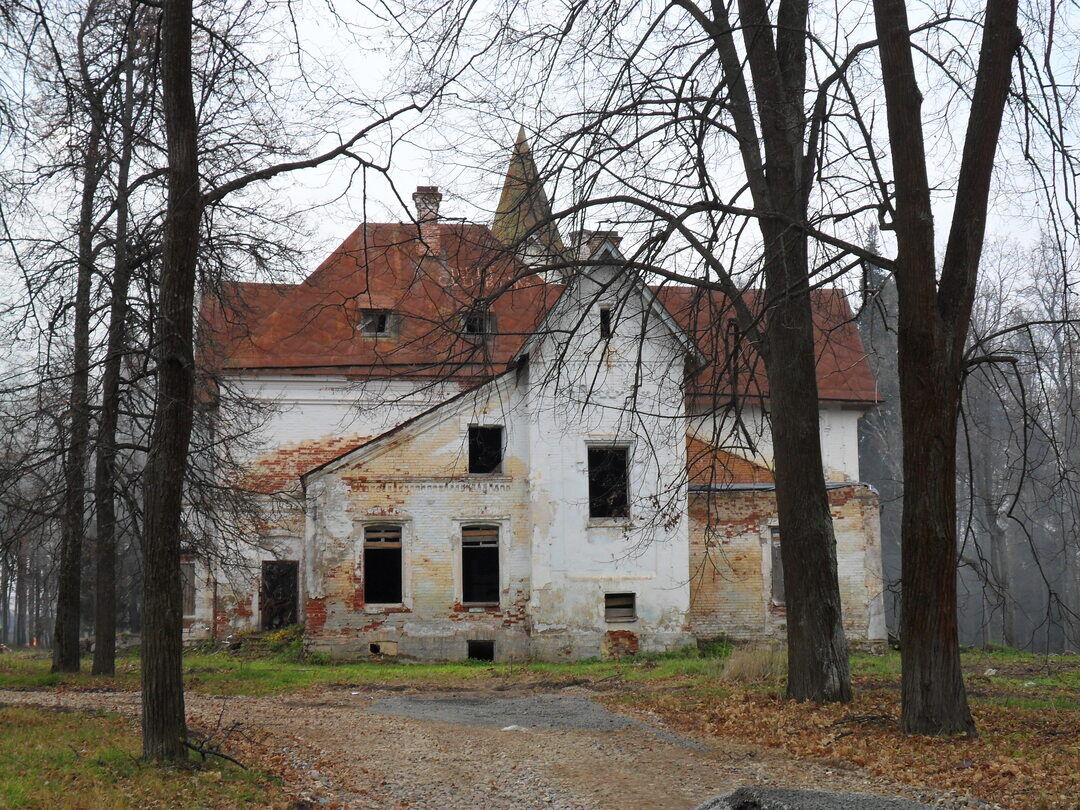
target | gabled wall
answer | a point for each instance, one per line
(628, 390)
(418, 479)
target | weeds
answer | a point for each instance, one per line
(757, 663)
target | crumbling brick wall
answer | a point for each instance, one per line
(730, 563)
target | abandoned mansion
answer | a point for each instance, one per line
(503, 442)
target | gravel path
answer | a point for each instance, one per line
(364, 749)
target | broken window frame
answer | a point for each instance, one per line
(475, 431)
(483, 537)
(188, 586)
(619, 509)
(777, 595)
(376, 322)
(620, 606)
(380, 538)
(478, 324)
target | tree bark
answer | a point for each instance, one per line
(817, 648)
(66, 651)
(21, 586)
(105, 468)
(933, 325)
(164, 732)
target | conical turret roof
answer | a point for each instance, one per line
(524, 206)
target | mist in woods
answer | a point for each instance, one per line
(1018, 550)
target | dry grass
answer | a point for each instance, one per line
(758, 663)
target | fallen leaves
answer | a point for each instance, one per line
(1023, 758)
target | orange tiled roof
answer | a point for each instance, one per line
(310, 328)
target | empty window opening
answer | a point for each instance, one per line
(477, 324)
(480, 565)
(278, 594)
(605, 322)
(608, 496)
(485, 449)
(481, 650)
(375, 649)
(777, 569)
(382, 565)
(375, 322)
(620, 607)
(187, 580)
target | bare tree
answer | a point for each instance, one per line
(933, 324)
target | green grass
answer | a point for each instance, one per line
(227, 674)
(72, 760)
(1021, 679)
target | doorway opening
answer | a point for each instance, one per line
(278, 594)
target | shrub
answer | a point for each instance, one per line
(287, 644)
(755, 663)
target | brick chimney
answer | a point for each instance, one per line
(589, 242)
(426, 199)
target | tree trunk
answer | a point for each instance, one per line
(5, 597)
(817, 649)
(933, 327)
(105, 469)
(164, 732)
(73, 528)
(933, 697)
(21, 586)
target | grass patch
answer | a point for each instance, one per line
(73, 760)
(222, 673)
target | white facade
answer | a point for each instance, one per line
(577, 383)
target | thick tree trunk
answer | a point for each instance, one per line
(817, 648)
(164, 732)
(105, 469)
(73, 523)
(933, 697)
(933, 326)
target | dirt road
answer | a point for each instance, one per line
(508, 749)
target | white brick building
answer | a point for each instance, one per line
(474, 460)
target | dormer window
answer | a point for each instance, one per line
(376, 322)
(477, 324)
(605, 322)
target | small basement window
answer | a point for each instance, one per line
(485, 449)
(605, 322)
(375, 322)
(608, 482)
(382, 565)
(480, 565)
(477, 324)
(187, 584)
(481, 650)
(777, 593)
(620, 607)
